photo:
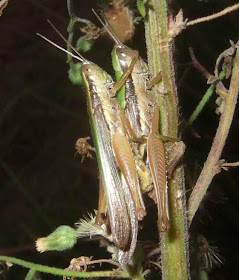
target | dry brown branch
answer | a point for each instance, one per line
(198, 65)
(214, 16)
(227, 165)
(210, 168)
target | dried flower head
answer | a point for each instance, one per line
(209, 255)
(121, 20)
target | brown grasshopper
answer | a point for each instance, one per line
(111, 129)
(140, 106)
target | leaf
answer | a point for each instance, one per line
(141, 7)
(83, 44)
(75, 74)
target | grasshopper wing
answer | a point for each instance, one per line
(124, 256)
(113, 188)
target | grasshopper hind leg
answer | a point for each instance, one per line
(125, 160)
(157, 164)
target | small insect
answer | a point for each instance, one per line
(84, 148)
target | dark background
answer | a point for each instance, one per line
(43, 185)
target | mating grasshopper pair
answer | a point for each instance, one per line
(135, 143)
(129, 150)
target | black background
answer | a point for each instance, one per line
(43, 185)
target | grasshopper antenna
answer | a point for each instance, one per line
(64, 39)
(108, 29)
(60, 48)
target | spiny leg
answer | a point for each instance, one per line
(102, 204)
(126, 74)
(175, 154)
(154, 81)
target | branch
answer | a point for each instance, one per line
(214, 16)
(227, 165)
(210, 168)
(198, 65)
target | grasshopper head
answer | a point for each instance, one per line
(125, 56)
(94, 74)
(128, 58)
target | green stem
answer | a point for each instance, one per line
(201, 104)
(30, 275)
(62, 272)
(174, 242)
(204, 100)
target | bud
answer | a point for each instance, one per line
(63, 238)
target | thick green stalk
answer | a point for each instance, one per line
(174, 242)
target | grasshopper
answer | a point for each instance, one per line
(140, 107)
(110, 130)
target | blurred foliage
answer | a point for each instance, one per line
(42, 115)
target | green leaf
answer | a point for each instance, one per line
(83, 44)
(75, 74)
(141, 7)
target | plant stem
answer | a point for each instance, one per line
(30, 275)
(173, 243)
(201, 104)
(204, 100)
(62, 272)
(214, 16)
(211, 166)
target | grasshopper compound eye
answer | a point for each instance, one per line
(121, 53)
(125, 53)
(92, 72)
(88, 70)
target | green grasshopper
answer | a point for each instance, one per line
(110, 131)
(141, 109)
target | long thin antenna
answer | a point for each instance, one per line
(60, 48)
(108, 29)
(64, 39)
